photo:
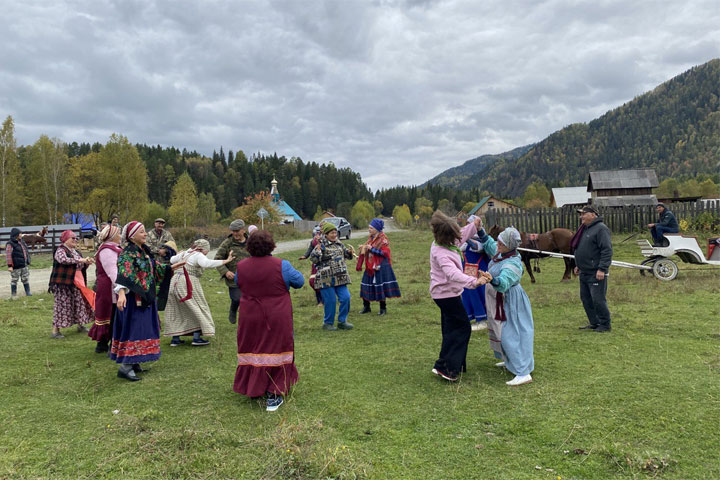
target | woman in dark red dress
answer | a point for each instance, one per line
(266, 347)
(105, 298)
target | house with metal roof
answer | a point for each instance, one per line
(618, 188)
(488, 203)
(571, 196)
(287, 214)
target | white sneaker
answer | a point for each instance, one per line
(519, 380)
(476, 327)
(500, 364)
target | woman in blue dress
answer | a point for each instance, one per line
(474, 299)
(510, 320)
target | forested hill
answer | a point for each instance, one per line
(674, 129)
(456, 176)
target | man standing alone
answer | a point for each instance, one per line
(18, 259)
(593, 254)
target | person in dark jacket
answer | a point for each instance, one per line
(666, 224)
(593, 255)
(18, 260)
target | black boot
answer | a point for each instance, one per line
(13, 290)
(101, 347)
(383, 308)
(366, 307)
(27, 289)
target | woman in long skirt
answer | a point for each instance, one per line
(136, 330)
(378, 282)
(74, 302)
(474, 299)
(105, 296)
(266, 346)
(187, 311)
(510, 320)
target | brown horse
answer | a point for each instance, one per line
(556, 240)
(36, 238)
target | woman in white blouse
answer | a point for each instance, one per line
(187, 312)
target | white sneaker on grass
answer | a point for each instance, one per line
(478, 326)
(500, 364)
(519, 380)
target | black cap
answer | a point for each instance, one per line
(588, 209)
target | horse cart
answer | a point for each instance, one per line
(658, 261)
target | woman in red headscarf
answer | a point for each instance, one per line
(105, 298)
(73, 300)
(136, 329)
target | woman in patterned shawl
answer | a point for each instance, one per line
(105, 298)
(136, 330)
(378, 281)
(73, 300)
(187, 311)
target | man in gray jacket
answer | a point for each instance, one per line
(593, 254)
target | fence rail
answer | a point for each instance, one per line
(52, 236)
(618, 219)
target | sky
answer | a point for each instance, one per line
(397, 90)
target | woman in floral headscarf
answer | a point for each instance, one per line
(73, 300)
(105, 298)
(378, 282)
(510, 320)
(136, 330)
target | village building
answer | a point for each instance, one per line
(619, 188)
(489, 203)
(569, 197)
(287, 214)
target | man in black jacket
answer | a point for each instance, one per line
(666, 224)
(18, 259)
(593, 254)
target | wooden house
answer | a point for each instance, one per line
(489, 203)
(618, 188)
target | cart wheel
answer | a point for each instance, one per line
(647, 261)
(665, 269)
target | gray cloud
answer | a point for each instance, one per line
(397, 90)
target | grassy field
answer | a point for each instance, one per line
(640, 402)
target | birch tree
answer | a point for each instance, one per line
(184, 201)
(10, 187)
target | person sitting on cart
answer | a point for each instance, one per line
(666, 224)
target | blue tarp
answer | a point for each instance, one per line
(86, 220)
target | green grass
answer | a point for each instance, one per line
(640, 402)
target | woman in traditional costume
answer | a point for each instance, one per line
(474, 299)
(74, 302)
(332, 277)
(266, 346)
(105, 297)
(187, 311)
(378, 282)
(317, 235)
(510, 319)
(447, 281)
(136, 329)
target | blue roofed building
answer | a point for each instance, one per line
(287, 214)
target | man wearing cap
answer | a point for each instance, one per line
(666, 224)
(18, 261)
(158, 237)
(592, 246)
(235, 243)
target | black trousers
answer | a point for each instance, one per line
(234, 301)
(592, 294)
(456, 333)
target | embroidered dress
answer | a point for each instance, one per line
(266, 347)
(510, 320)
(474, 299)
(378, 281)
(105, 297)
(192, 314)
(70, 306)
(136, 329)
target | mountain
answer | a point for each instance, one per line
(675, 129)
(456, 176)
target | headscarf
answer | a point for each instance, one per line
(510, 237)
(130, 230)
(108, 232)
(171, 248)
(251, 229)
(377, 224)
(66, 235)
(201, 244)
(328, 227)
(316, 229)
(472, 218)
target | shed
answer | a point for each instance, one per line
(616, 188)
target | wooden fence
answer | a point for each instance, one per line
(618, 219)
(52, 236)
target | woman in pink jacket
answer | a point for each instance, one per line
(447, 282)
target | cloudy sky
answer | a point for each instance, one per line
(398, 90)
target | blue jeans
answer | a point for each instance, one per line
(328, 296)
(658, 233)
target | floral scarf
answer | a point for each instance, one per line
(373, 261)
(137, 272)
